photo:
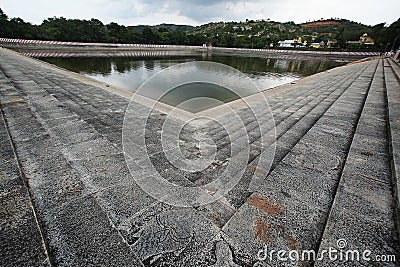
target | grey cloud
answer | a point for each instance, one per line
(196, 10)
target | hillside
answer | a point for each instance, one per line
(166, 26)
(255, 34)
(263, 33)
(341, 34)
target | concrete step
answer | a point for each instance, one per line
(291, 204)
(395, 67)
(363, 201)
(109, 194)
(77, 229)
(392, 83)
(290, 131)
(301, 122)
(22, 242)
(301, 96)
(91, 105)
(220, 212)
(295, 127)
(316, 101)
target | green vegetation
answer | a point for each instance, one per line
(62, 29)
(259, 34)
(248, 34)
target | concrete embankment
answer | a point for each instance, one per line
(68, 197)
(37, 48)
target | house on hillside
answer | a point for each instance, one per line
(364, 40)
(286, 43)
(314, 45)
(331, 43)
(292, 43)
(317, 45)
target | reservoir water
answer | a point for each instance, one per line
(130, 73)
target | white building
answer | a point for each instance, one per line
(286, 43)
(315, 45)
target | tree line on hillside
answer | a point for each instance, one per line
(351, 31)
(258, 34)
(93, 30)
(251, 34)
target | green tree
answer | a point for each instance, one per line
(116, 33)
(96, 31)
(391, 35)
(149, 37)
(132, 35)
(3, 15)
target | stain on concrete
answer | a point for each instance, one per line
(265, 204)
(261, 231)
(293, 243)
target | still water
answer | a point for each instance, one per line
(130, 73)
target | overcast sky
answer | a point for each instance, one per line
(196, 12)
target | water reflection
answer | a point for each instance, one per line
(201, 82)
(129, 73)
(108, 65)
(202, 93)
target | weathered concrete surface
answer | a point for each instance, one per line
(21, 239)
(334, 175)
